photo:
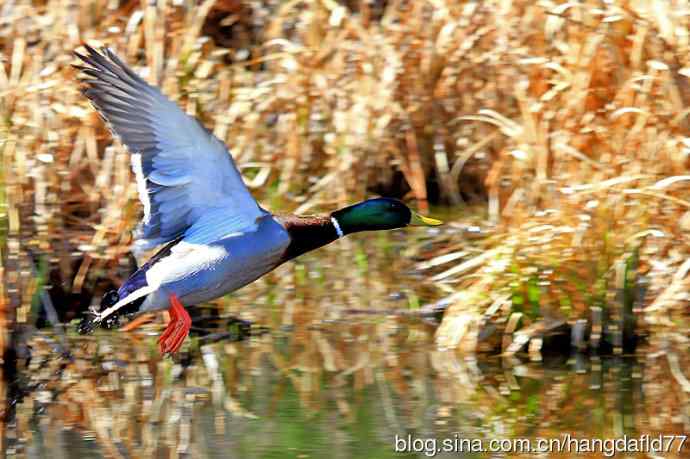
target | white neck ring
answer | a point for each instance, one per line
(336, 225)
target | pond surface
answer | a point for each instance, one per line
(253, 409)
(332, 368)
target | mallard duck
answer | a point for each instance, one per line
(216, 236)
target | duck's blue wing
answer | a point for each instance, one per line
(187, 180)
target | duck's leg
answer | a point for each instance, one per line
(168, 330)
(174, 335)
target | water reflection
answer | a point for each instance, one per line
(243, 400)
(316, 380)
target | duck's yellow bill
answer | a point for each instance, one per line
(420, 220)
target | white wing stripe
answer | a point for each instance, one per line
(141, 187)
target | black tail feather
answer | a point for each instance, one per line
(110, 298)
(89, 323)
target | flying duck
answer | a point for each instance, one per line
(215, 236)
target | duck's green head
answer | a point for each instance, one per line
(379, 214)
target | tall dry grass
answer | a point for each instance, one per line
(573, 116)
(589, 185)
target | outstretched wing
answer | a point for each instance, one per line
(188, 183)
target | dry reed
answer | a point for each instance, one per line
(570, 118)
(574, 117)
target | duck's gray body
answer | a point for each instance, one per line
(199, 273)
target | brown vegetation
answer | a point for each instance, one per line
(572, 118)
(567, 123)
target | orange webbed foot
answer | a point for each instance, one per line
(174, 335)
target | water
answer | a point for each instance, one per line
(257, 410)
(318, 380)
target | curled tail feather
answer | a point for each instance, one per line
(90, 320)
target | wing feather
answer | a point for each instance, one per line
(184, 173)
